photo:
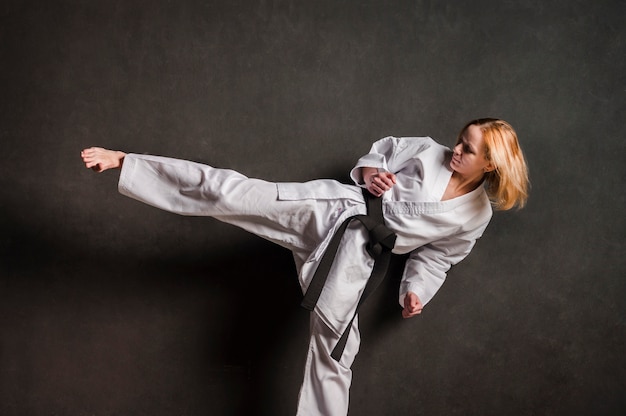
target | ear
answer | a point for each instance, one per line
(489, 168)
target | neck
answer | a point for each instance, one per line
(466, 184)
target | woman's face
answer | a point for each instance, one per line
(469, 154)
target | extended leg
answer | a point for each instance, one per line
(190, 188)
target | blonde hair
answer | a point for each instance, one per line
(507, 185)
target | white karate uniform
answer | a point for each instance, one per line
(303, 217)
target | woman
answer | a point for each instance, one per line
(438, 203)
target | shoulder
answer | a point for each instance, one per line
(413, 140)
(415, 144)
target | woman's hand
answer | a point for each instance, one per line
(412, 305)
(377, 183)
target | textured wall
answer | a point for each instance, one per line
(110, 307)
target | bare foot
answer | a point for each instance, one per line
(100, 159)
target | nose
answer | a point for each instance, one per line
(457, 149)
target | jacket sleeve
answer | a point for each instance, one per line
(389, 154)
(427, 266)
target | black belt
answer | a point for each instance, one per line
(381, 242)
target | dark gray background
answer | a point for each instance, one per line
(110, 307)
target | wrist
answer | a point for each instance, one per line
(367, 173)
(120, 158)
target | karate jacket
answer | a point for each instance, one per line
(436, 233)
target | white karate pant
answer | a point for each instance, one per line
(189, 188)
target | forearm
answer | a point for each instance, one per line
(426, 268)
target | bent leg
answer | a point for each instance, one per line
(326, 385)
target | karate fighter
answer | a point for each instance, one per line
(436, 200)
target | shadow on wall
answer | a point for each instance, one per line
(221, 334)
